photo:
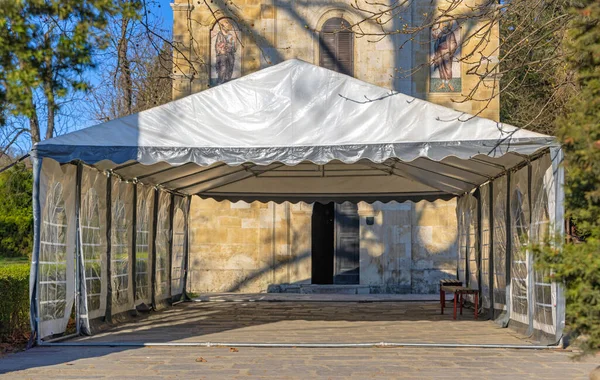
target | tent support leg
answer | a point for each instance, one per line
(170, 253)
(79, 274)
(508, 263)
(108, 316)
(153, 264)
(134, 245)
(529, 254)
(491, 250)
(34, 305)
(479, 244)
(186, 249)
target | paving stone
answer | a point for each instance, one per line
(317, 322)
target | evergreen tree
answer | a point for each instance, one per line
(46, 46)
(578, 265)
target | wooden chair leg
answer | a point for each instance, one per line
(461, 303)
(476, 305)
(455, 299)
(443, 300)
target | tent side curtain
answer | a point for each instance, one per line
(520, 260)
(162, 247)
(467, 240)
(121, 246)
(499, 246)
(115, 275)
(92, 219)
(143, 244)
(486, 242)
(522, 208)
(133, 239)
(57, 248)
(180, 217)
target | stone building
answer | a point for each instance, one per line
(393, 247)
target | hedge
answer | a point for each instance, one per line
(14, 301)
(16, 235)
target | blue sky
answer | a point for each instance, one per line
(76, 115)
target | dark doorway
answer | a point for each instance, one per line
(335, 244)
(322, 243)
(347, 244)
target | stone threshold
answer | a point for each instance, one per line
(317, 297)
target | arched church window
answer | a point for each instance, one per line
(336, 46)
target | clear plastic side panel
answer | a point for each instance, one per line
(177, 264)
(485, 245)
(93, 240)
(499, 244)
(56, 276)
(520, 255)
(544, 309)
(472, 243)
(461, 211)
(121, 240)
(162, 246)
(554, 181)
(143, 244)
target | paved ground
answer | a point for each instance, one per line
(316, 297)
(310, 322)
(299, 322)
(290, 363)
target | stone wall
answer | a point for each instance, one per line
(246, 247)
(240, 247)
(272, 31)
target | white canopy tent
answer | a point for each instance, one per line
(291, 132)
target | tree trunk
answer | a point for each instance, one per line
(48, 85)
(51, 108)
(125, 69)
(34, 123)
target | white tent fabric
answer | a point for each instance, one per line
(292, 132)
(288, 132)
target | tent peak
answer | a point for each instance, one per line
(292, 112)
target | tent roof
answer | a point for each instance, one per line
(240, 139)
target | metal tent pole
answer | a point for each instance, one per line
(108, 314)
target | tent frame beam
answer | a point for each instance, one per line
(254, 174)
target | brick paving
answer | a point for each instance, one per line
(291, 363)
(310, 322)
(299, 322)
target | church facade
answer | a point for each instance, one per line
(363, 248)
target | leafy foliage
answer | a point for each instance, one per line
(536, 84)
(14, 303)
(16, 220)
(46, 46)
(578, 265)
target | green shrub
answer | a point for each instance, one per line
(16, 217)
(577, 266)
(14, 301)
(16, 235)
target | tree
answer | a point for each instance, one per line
(577, 265)
(46, 47)
(136, 66)
(536, 84)
(16, 218)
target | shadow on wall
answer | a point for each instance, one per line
(407, 249)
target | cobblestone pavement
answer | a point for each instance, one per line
(291, 363)
(299, 322)
(310, 322)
